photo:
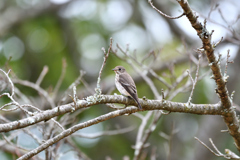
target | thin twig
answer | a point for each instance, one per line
(75, 83)
(195, 80)
(206, 146)
(42, 75)
(9, 80)
(163, 14)
(106, 54)
(228, 155)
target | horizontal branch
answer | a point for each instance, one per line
(203, 109)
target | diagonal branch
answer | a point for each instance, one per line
(229, 116)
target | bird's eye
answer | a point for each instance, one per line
(119, 69)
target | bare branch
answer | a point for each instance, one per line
(204, 109)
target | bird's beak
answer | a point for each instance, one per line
(114, 69)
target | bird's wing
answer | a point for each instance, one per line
(128, 84)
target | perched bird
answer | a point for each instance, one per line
(125, 84)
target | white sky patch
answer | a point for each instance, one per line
(13, 47)
(224, 50)
(228, 8)
(216, 21)
(155, 24)
(59, 1)
(115, 14)
(133, 35)
(186, 26)
(91, 46)
(82, 9)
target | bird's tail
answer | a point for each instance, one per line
(136, 100)
(139, 105)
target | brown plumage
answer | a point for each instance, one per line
(125, 84)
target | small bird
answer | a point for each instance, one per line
(125, 84)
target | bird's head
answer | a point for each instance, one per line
(119, 69)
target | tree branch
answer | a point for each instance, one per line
(202, 109)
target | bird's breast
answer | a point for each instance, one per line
(120, 88)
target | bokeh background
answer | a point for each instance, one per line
(38, 33)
